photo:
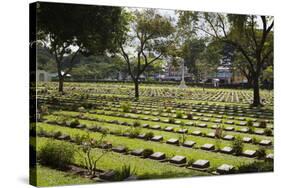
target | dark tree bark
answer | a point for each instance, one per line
(256, 90)
(136, 89)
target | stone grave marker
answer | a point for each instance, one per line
(158, 156)
(208, 147)
(249, 153)
(137, 152)
(227, 150)
(201, 164)
(225, 169)
(157, 138)
(119, 149)
(173, 141)
(189, 143)
(178, 159)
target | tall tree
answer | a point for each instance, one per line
(70, 29)
(250, 35)
(148, 39)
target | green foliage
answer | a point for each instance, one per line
(136, 123)
(56, 155)
(237, 145)
(263, 124)
(149, 135)
(147, 152)
(74, 123)
(268, 131)
(261, 152)
(179, 114)
(172, 120)
(126, 107)
(125, 172)
(257, 166)
(189, 116)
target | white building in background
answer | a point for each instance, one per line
(43, 76)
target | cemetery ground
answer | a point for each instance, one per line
(169, 132)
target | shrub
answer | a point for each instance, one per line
(125, 172)
(133, 133)
(263, 124)
(57, 134)
(147, 152)
(261, 154)
(126, 107)
(237, 146)
(257, 166)
(74, 123)
(56, 155)
(149, 135)
(249, 123)
(189, 116)
(79, 139)
(172, 120)
(268, 131)
(179, 114)
(136, 124)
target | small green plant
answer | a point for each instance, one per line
(149, 135)
(179, 114)
(263, 124)
(219, 132)
(172, 120)
(136, 124)
(74, 123)
(134, 132)
(56, 155)
(125, 172)
(237, 146)
(87, 152)
(57, 134)
(261, 153)
(218, 144)
(126, 107)
(249, 123)
(189, 116)
(268, 131)
(79, 139)
(147, 152)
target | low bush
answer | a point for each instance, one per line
(74, 123)
(56, 155)
(179, 114)
(125, 107)
(136, 124)
(189, 116)
(149, 135)
(262, 124)
(237, 146)
(261, 153)
(249, 123)
(257, 166)
(172, 120)
(268, 131)
(147, 152)
(125, 172)
(57, 134)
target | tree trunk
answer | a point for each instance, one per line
(137, 88)
(256, 89)
(61, 84)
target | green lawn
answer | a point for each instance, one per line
(51, 177)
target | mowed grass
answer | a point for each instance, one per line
(216, 159)
(51, 177)
(144, 168)
(167, 135)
